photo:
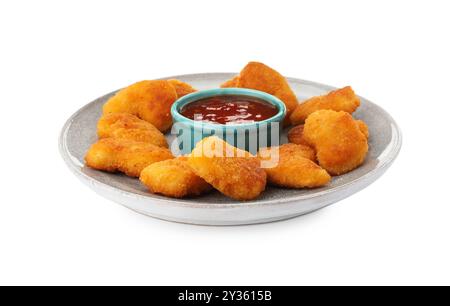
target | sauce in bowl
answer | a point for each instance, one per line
(229, 109)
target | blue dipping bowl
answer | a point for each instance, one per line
(247, 136)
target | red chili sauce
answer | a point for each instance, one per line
(229, 109)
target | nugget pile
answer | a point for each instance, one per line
(325, 141)
(131, 129)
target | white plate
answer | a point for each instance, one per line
(215, 209)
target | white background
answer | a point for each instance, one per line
(56, 56)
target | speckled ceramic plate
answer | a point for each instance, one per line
(215, 209)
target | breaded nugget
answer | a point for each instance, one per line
(149, 100)
(231, 83)
(298, 149)
(363, 128)
(181, 88)
(304, 151)
(296, 167)
(261, 77)
(127, 126)
(123, 155)
(173, 178)
(233, 172)
(343, 99)
(295, 135)
(337, 139)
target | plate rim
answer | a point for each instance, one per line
(75, 166)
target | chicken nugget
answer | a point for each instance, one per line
(261, 77)
(337, 139)
(363, 128)
(295, 135)
(304, 151)
(234, 172)
(343, 99)
(123, 155)
(173, 178)
(231, 83)
(181, 88)
(127, 126)
(148, 100)
(295, 168)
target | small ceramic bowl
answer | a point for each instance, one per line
(246, 136)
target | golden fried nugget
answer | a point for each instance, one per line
(231, 83)
(261, 77)
(337, 139)
(304, 151)
(295, 135)
(127, 126)
(149, 100)
(123, 155)
(343, 99)
(298, 149)
(181, 88)
(363, 128)
(173, 178)
(234, 172)
(296, 167)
